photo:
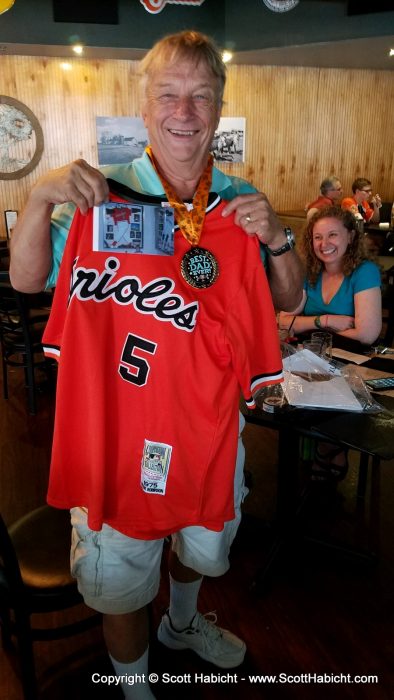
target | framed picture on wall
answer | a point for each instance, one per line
(228, 143)
(10, 220)
(120, 139)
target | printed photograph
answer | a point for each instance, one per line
(120, 139)
(229, 141)
(133, 228)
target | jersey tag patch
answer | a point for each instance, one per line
(155, 466)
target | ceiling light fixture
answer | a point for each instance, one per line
(226, 56)
(391, 52)
(280, 5)
(78, 49)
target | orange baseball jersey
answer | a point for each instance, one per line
(150, 373)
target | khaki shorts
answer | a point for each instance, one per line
(118, 574)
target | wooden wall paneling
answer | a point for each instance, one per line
(66, 103)
(354, 130)
(306, 123)
(302, 124)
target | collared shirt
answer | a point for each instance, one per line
(140, 176)
(367, 211)
(320, 203)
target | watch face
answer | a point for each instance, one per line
(290, 236)
(280, 5)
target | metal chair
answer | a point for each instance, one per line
(35, 578)
(21, 329)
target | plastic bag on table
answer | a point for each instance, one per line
(360, 389)
(312, 381)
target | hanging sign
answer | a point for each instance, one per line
(5, 5)
(156, 6)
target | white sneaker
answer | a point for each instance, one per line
(209, 641)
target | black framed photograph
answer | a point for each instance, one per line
(10, 220)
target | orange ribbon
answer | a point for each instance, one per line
(190, 221)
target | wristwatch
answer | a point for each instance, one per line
(290, 243)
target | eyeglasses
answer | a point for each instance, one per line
(366, 191)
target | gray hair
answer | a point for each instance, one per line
(189, 45)
(329, 184)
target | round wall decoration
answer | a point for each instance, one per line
(280, 5)
(21, 139)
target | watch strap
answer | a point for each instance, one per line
(290, 243)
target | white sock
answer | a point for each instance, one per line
(183, 602)
(137, 688)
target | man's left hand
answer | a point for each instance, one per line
(255, 215)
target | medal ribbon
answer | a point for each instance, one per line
(190, 222)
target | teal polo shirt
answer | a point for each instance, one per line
(140, 176)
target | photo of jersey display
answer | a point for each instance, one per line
(150, 374)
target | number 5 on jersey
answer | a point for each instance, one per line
(133, 368)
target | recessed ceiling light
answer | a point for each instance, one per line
(391, 52)
(78, 49)
(226, 56)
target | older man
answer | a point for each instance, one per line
(330, 194)
(146, 420)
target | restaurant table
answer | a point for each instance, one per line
(382, 239)
(370, 434)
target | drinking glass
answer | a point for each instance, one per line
(324, 340)
(312, 345)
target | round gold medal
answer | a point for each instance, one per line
(199, 268)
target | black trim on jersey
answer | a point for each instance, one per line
(258, 377)
(120, 190)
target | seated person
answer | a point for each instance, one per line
(363, 202)
(342, 295)
(331, 194)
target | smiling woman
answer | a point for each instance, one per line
(342, 296)
(342, 287)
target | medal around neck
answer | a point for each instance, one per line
(199, 268)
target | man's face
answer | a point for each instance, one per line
(181, 112)
(364, 195)
(335, 192)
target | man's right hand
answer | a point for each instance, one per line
(76, 182)
(31, 247)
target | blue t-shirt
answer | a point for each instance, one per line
(140, 176)
(365, 276)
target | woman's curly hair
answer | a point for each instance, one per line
(355, 252)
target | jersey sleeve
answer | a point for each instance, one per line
(52, 337)
(252, 336)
